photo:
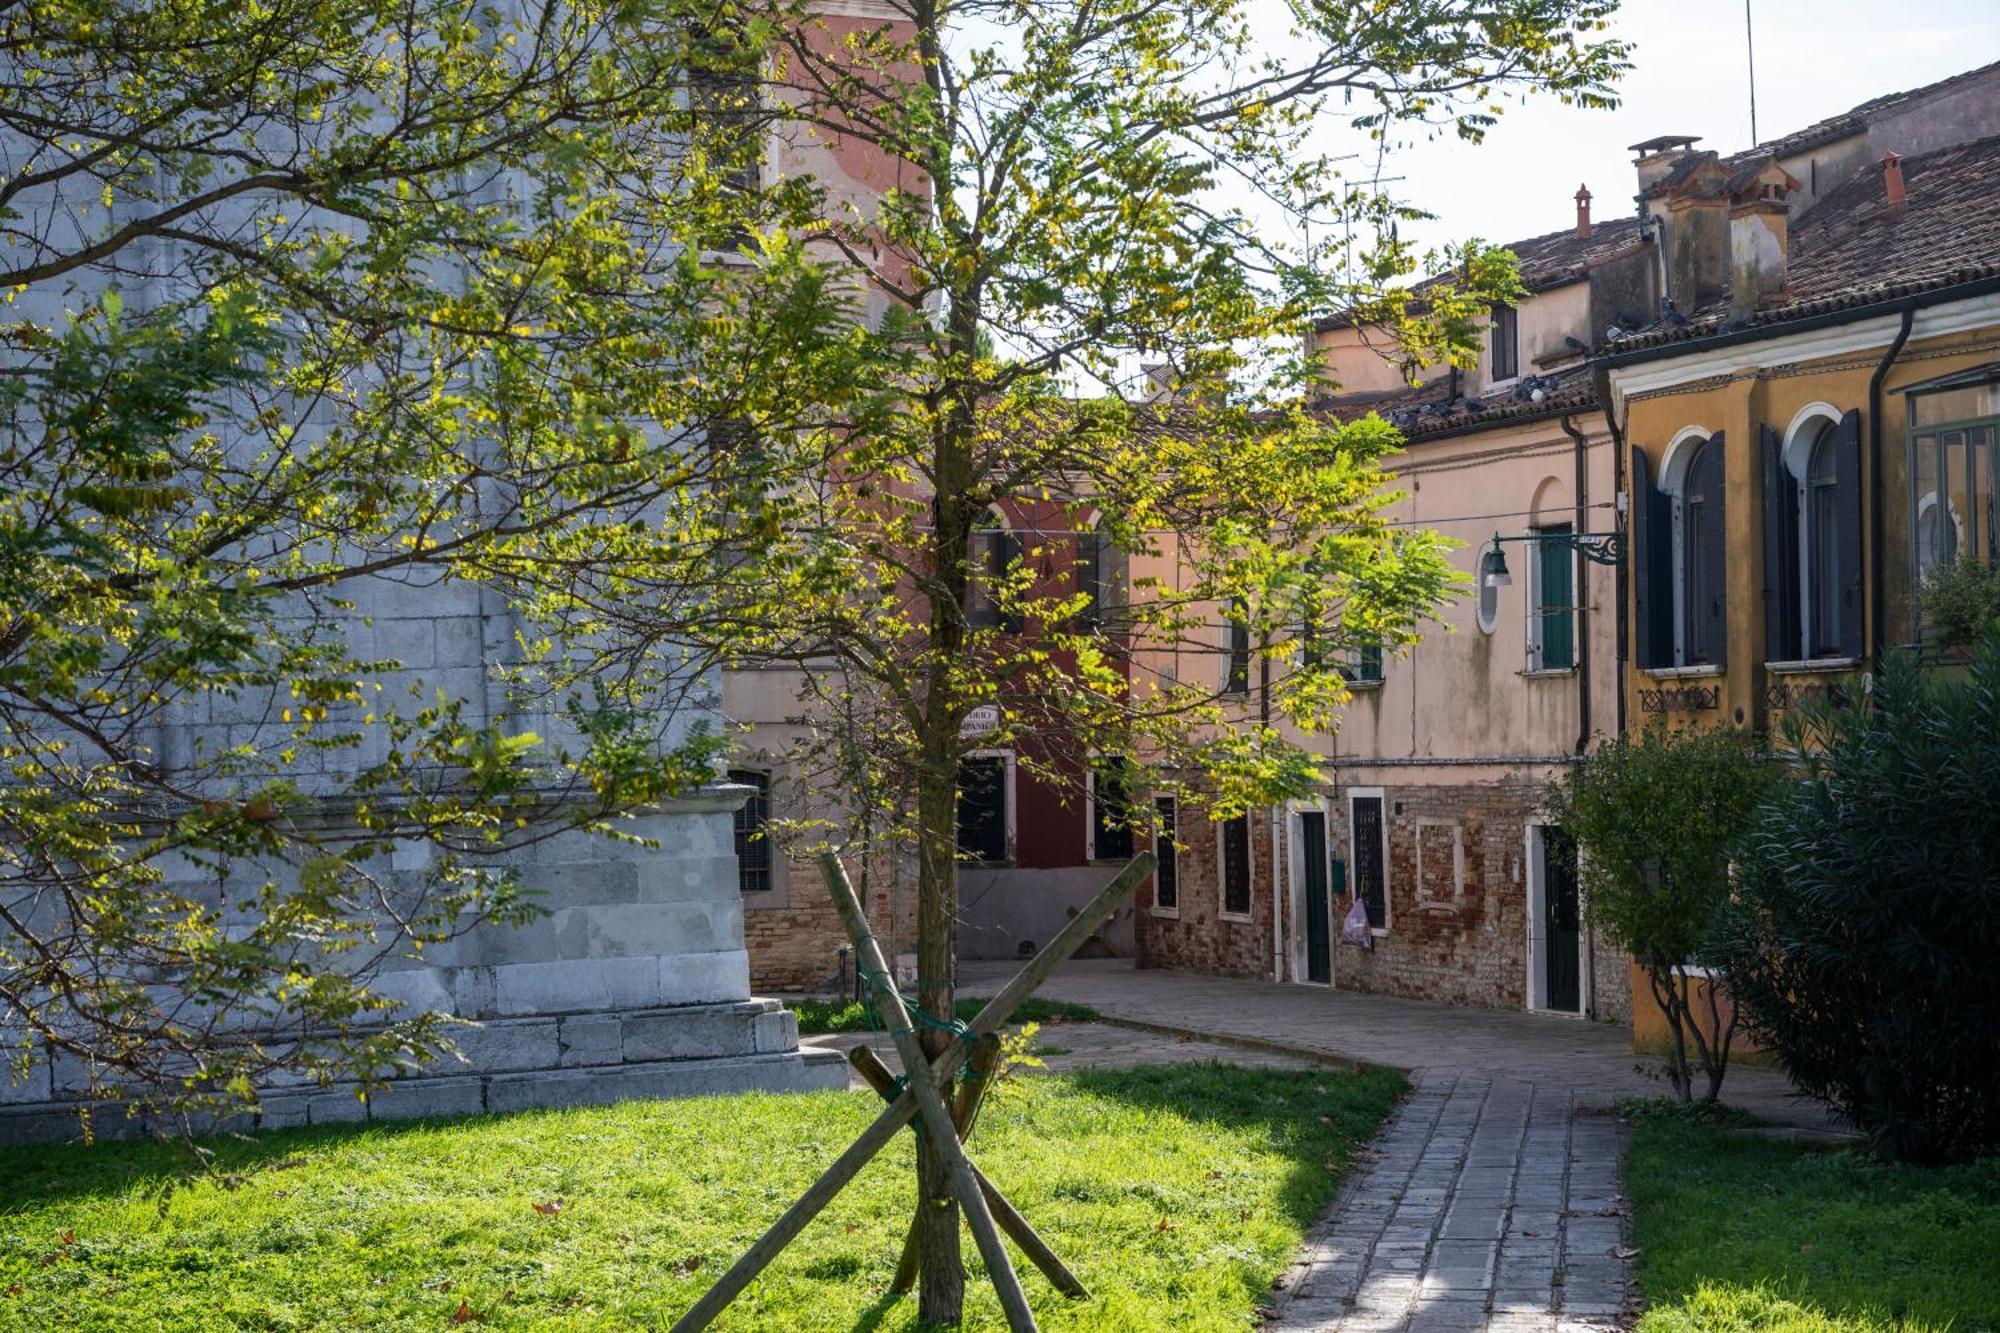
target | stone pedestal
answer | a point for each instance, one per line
(634, 984)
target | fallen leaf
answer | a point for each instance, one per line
(464, 1315)
(1624, 1251)
(13, 1289)
(853, 1227)
(688, 1266)
(507, 1296)
(1165, 1225)
(68, 1238)
(553, 1208)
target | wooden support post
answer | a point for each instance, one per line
(901, 1111)
(964, 1109)
(1017, 1227)
(930, 1102)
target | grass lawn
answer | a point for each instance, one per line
(1177, 1193)
(1741, 1233)
(821, 1016)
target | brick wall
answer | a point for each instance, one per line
(1199, 938)
(1458, 904)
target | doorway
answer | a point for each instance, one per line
(1555, 922)
(1316, 888)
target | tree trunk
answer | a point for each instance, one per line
(941, 1285)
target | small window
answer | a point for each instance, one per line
(1110, 811)
(1506, 342)
(1552, 601)
(992, 555)
(982, 809)
(1166, 870)
(1368, 854)
(1234, 836)
(1365, 667)
(753, 831)
(1236, 649)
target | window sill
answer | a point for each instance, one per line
(1548, 673)
(1240, 918)
(1810, 665)
(1363, 686)
(1164, 913)
(1684, 672)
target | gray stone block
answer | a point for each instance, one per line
(408, 1099)
(35, 1084)
(705, 978)
(504, 1045)
(694, 1032)
(577, 985)
(592, 1041)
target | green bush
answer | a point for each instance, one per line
(1657, 817)
(1962, 601)
(1862, 945)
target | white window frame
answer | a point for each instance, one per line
(1687, 442)
(1168, 913)
(1493, 379)
(1434, 822)
(1388, 877)
(1802, 440)
(1222, 913)
(1007, 795)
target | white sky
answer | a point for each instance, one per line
(1814, 58)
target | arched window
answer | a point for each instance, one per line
(1699, 624)
(1824, 575)
(994, 549)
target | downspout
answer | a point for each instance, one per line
(1582, 593)
(1622, 519)
(1878, 524)
(1271, 820)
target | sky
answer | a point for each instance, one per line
(1815, 58)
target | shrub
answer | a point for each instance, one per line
(1962, 601)
(1862, 947)
(1657, 817)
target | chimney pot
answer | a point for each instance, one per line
(1892, 180)
(1583, 210)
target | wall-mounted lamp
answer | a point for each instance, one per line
(1600, 548)
(1493, 566)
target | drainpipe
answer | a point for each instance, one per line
(1622, 570)
(1878, 524)
(1271, 821)
(1582, 595)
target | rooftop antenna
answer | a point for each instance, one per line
(1750, 46)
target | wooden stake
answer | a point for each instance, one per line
(1017, 1227)
(901, 1111)
(930, 1102)
(964, 1108)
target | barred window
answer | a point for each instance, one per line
(753, 831)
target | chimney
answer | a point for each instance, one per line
(1892, 180)
(1759, 235)
(1658, 157)
(1583, 211)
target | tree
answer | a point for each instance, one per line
(1061, 210)
(312, 304)
(1868, 911)
(1659, 818)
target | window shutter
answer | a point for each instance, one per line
(1090, 575)
(1714, 605)
(1782, 637)
(1847, 490)
(1652, 566)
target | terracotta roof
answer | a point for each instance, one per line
(1856, 119)
(1432, 410)
(1852, 248)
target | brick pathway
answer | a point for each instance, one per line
(1491, 1202)
(1486, 1204)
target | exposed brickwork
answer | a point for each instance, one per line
(794, 934)
(1199, 939)
(1458, 933)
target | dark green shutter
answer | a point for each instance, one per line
(1781, 553)
(1556, 600)
(1847, 484)
(1652, 567)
